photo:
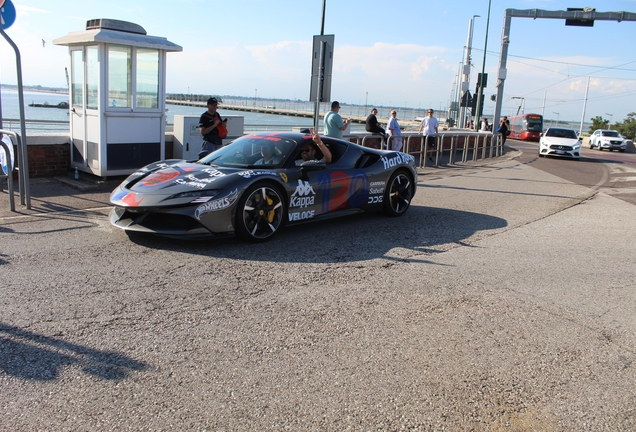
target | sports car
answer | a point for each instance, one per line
(562, 142)
(259, 183)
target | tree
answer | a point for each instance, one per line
(598, 122)
(628, 126)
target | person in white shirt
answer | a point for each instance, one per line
(429, 128)
(393, 128)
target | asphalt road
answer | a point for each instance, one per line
(503, 300)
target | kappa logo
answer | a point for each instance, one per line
(303, 189)
(303, 196)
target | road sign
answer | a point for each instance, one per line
(7, 13)
(322, 71)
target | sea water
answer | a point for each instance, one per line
(253, 121)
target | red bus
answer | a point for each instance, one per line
(526, 127)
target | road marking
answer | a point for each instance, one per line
(622, 179)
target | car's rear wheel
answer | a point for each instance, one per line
(398, 194)
(260, 213)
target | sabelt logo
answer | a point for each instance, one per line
(303, 196)
(216, 205)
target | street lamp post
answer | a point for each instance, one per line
(557, 116)
(483, 71)
(610, 122)
(466, 71)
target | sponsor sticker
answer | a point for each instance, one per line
(304, 195)
(302, 215)
(216, 205)
(398, 158)
(251, 173)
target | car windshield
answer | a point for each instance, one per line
(610, 133)
(561, 133)
(252, 151)
(534, 125)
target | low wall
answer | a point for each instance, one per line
(49, 154)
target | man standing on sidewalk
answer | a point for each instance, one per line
(429, 128)
(334, 125)
(207, 126)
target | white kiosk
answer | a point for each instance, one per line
(118, 96)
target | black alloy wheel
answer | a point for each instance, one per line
(260, 213)
(398, 195)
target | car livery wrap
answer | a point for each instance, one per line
(228, 192)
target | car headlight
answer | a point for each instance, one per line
(196, 194)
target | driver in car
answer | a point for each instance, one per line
(308, 152)
(268, 151)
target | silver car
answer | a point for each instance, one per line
(607, 139)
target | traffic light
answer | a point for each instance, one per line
(485, 82)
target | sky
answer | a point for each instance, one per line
(402, 53)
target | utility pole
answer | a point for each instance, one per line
(483, 71)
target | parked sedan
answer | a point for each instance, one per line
(607, 139)
(562, 142)
(259, 183)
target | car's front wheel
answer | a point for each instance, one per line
(260, 213)
(398, 194)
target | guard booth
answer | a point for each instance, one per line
(117, 96)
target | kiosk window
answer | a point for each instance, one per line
(147, 89)
(92, 77)
(77, 79)
(119, 76)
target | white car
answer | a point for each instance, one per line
(562, 142)
(607, 139)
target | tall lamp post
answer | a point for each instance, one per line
(557, 117)
(483, 71)
(466, 71)
(610, 122)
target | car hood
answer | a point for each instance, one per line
(560, 141)
(171, 178)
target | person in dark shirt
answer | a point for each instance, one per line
(372, 125)
(207, 126)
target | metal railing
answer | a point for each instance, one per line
(10, 164)
(472, 145)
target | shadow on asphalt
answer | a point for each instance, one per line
(32, 356)
(347, 239)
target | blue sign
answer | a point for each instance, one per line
(7, 13)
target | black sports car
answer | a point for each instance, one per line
(258, 183)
